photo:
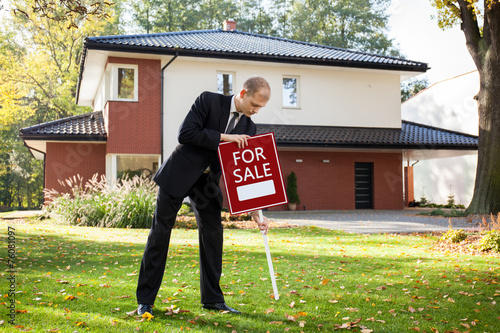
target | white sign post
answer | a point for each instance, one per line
(253, 181)
(269, 260)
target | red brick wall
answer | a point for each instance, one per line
(135, 127)
(65, 160)
(331, 185)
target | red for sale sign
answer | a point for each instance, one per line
(252, 175)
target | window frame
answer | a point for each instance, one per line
(233, 74)
(114, 82)
(298, 102)
(112, 164)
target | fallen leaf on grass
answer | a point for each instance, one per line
(348, 325)
(148, 316)
(131, 313)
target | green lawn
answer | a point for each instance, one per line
(81, 279)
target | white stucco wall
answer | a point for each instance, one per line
(327, 96)
(448, 104)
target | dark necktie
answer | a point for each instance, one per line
(230, 127)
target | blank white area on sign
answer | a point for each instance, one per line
(256, 190)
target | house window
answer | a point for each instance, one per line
(290, 92)
(125, 82)
(225, 83)
(136, 165)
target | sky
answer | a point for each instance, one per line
(420, 39)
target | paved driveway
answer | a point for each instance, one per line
(356, 221)
(372, 221)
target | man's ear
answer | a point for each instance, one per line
(242, 93)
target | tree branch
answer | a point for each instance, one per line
(491, 28)
(471, 31)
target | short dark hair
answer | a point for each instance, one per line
(256, 83)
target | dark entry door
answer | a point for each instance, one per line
(363, 178)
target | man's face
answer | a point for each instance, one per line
(251, 104)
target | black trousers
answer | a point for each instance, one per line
(206, 199)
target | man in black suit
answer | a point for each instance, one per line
(193, 170)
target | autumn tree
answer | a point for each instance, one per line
(39, 64)
(71, 12)
(480, 23)
(153, 16)
(352, 24)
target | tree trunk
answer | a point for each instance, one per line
(486, 198)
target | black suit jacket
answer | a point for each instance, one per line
(199, 138)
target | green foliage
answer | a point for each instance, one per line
(423, 200)
(448, 12)
(413, 86)
(490, 241)
(128, 204)
(39, 64)
(291, 189)
(72, 12)
(437, 212)
(454, 236)
(441, 212)
(360, 25)
(153, 16)
(185, 209)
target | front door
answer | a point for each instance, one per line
(363, 182)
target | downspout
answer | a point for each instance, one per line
(162, 103)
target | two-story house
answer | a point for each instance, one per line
(335, 113)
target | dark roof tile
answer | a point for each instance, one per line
(411, 135)
(234, 44)
(89, 126)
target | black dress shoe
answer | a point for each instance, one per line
(220, 307)
(143, 308)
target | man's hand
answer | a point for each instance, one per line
(240, 139)
(262, 225)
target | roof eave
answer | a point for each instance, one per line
(240, 56)
(372, 146)
(62, 137)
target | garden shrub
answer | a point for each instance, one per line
(454, 236)
(128, 204)
(437, 212)
(490, 241)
